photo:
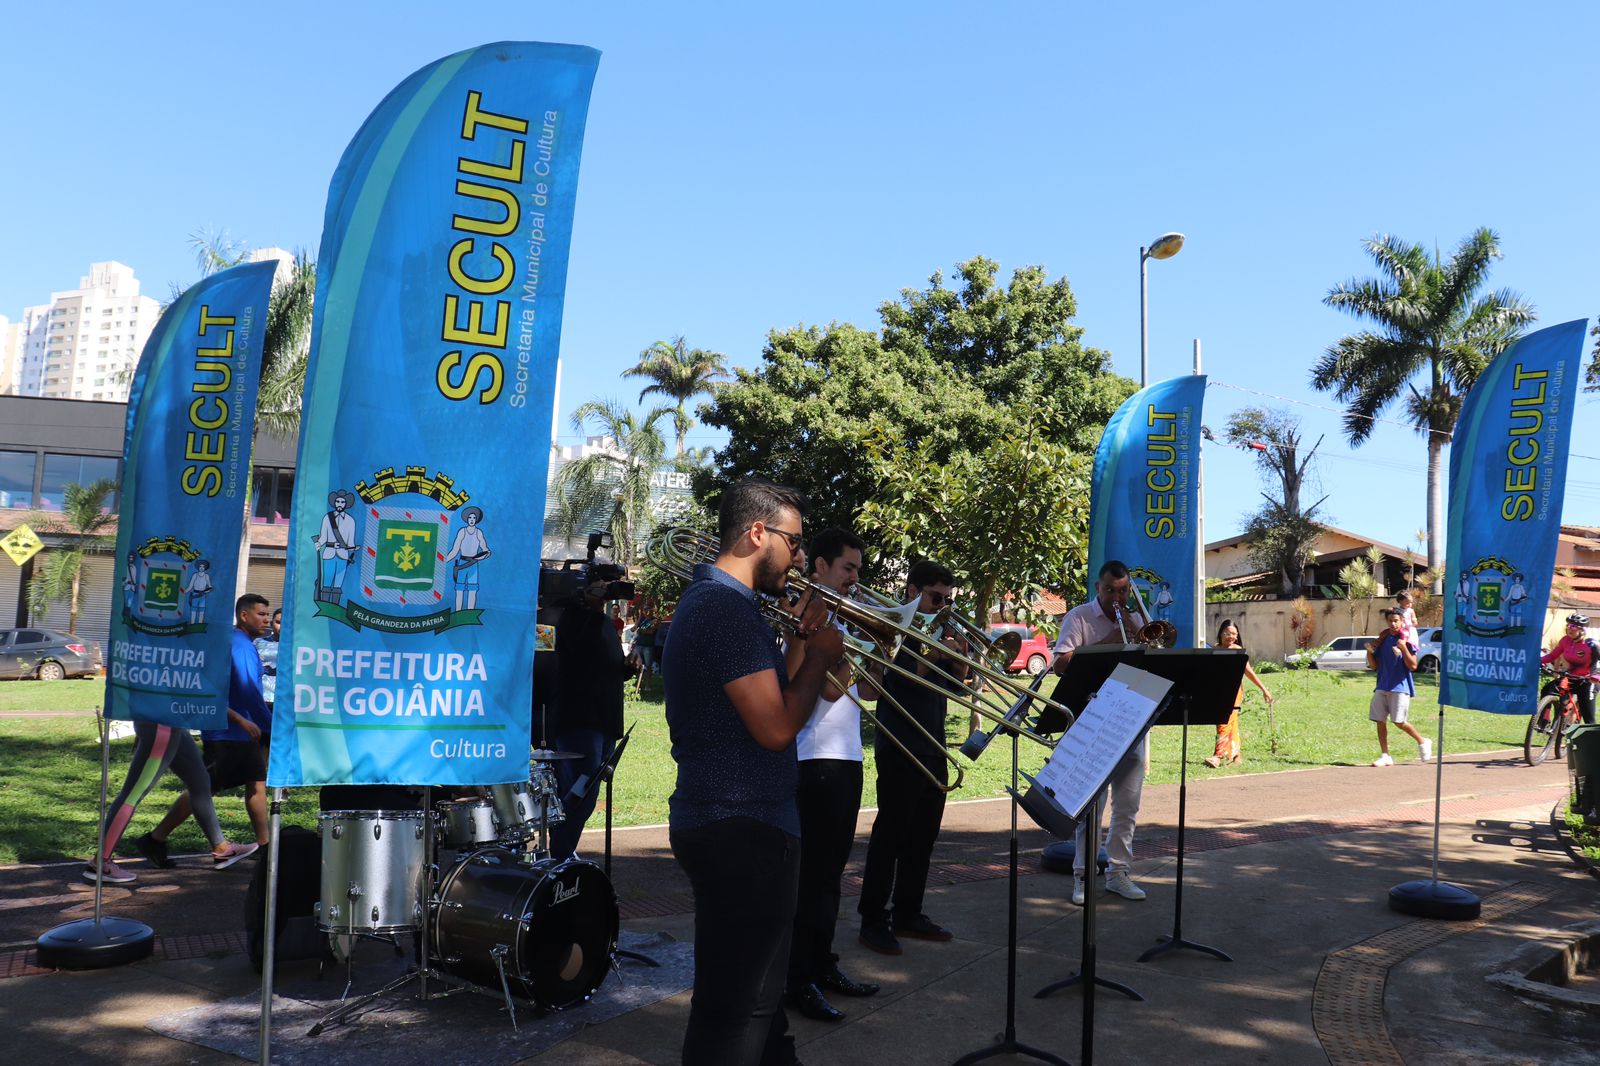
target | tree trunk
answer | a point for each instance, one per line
(1435, 508)
(72, 613)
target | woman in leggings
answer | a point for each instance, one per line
(156, 748)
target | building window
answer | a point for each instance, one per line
(60, 470)
(271, 493)
(16, 479)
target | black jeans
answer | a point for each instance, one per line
(830, 799)
(744, 875)
(909, 812)
(1583, 689)
(595, 747)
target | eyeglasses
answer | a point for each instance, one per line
(939, 599)
(794, 540)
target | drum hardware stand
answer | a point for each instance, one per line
(499, 952)
(605, 772)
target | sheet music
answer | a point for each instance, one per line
(1087, 753)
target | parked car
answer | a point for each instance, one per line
(1430, 649)
(1345, 653)
(1035, 654)
(47, 654)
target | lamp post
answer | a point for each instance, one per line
(1163, 247)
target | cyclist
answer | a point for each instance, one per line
(1578, 657)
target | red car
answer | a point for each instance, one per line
(1034, 656)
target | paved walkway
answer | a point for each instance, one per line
(1287, 872)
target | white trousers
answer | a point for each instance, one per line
(1126, 788)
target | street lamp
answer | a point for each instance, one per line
(1163, 247)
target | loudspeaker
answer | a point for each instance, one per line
(299, 885)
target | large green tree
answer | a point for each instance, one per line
(680, 373)
(82, 525)
(611, 488)
(956, 372)
(1428, 318)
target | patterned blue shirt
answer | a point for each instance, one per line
(718, 635)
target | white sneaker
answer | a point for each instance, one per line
(1119, 882)
(1383, 760)
(1077, 891)
(1427, 749)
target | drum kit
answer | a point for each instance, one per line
(472, 877)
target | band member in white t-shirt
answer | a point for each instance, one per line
(829, 749)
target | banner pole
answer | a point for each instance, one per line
(269, 934)
(105, 783)
(1438, 791)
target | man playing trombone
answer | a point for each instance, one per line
(829, 749)
(733, 712)
(1105, 620)
(910, 805)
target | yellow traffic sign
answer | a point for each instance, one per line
(21, 544)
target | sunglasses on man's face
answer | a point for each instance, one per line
(939, 599)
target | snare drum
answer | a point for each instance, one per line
(372, 871)
(466, 824)
(552, 926)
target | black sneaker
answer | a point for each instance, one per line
(922, 928)
(154, 851)
(880, 939)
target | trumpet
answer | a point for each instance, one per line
(879, 630)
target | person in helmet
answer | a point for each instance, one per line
(1576, 656)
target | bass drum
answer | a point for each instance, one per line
(553, 925)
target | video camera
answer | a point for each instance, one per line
(564, 580)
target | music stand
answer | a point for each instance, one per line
(1204, 684)
(580, 789)
(1101, 762)
(1008, 1043)
(1095, 663)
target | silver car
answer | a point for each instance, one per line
(1344, 653)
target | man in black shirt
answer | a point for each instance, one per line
(910, 808)
(587, 718)
(733, 712)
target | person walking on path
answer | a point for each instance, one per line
(1394, 658)
(236, 755)
(156, 749)
(1227, 749)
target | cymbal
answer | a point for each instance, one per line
(546, 755)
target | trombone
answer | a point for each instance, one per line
(881, 631)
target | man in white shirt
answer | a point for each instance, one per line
(829, 796)
(1105, 620)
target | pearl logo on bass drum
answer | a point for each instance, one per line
(562, 893)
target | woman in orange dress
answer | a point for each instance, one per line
(1227, 749)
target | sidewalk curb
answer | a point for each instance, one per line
(1559, 824)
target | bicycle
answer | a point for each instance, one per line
(1546, 728)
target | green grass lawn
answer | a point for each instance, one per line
(50, 767)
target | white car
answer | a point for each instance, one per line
(1345, 653)
(1430, 649)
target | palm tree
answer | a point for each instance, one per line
(679, 373)
(59, 577)
(1428, 317)
(612, 486)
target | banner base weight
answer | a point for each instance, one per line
(90, 945)
(1434, 899)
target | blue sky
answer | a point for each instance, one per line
(750, 166)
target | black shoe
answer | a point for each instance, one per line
(810, 1002)
(834, 981)
(880, 939)
(922, 928)
(154, 851)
